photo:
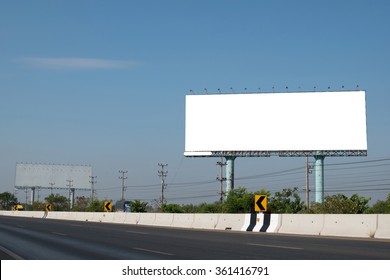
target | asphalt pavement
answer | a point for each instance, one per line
(46, 239)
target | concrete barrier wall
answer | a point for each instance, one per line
(205, 221)
(275, 223)
(132, 218)
(163, 219)
(230, 221)
(259, 222)
(369, 226)
(311, 224)
(383, 230)
(350, 225)
(147, 219)
(266, 222)
(183, 220)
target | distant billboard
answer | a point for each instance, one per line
(275, 122)
(43, 175)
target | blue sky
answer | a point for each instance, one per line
(103, 83)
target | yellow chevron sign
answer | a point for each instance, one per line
(17, 207)
(108, 206)
(260, 203)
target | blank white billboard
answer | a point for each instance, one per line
(302, 121)
(42, 175)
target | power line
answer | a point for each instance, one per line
(359, 162)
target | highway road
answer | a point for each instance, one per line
(47, 239)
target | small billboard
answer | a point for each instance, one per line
(45, 175)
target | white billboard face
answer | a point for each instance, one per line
(304, 121)
(42, 175)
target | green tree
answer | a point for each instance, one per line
(287, 201)
(138, 206)
(7, 200)
(381, 207)
(81, 204)
(239, 200)
(95, 206)
(59, 202)
(215, 207)
(39, 206)
(360, 203)
(172, 208)
(341, 204)
(189, 208)
(263, 192)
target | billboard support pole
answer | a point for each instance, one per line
(319, 173)
(229, 173)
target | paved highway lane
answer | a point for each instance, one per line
(35, 238)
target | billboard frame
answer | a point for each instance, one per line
(327, 153)
(204, 127)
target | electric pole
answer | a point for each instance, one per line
(221, 179)
(162, 174)
(38, 190)
(51, 187)
(71, 190)
(308, 171)
(93, 182)
(123, 178)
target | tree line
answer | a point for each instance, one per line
(239, 200)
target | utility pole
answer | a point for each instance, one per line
(162, 174)
(93, 182)
(32, 195)
(123, 178)
(308, 171)
(38, 190)
(26, 191)
(51, 187)
(70, 185)
(221, 179)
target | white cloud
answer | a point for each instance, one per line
(77, 63)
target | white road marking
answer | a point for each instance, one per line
(59, 233)
(153, 251)
(275, 246)
(76, 225)
(137, 232)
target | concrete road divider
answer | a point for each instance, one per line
(147, 219)
(311, 224)
(262, 222)
(250, 221)
(132, 218)
(230, 221)
(275, 222)
(183, 220)
(163, 219)
(119, 217)
(350, 225)
(89, 217)
(383, 230)
(205, 221)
